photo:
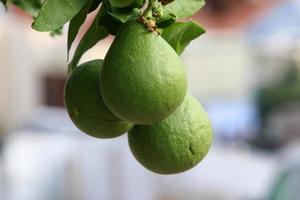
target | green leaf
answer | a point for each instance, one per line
(184, 8)
(166, 21)
(94, 5)
(113, 18)
(180, 34)
(4, 2)
(137, 4)
(94, 34)
(124, 14)
(30, 6)
(106, 19)
(57, 32)
(76, 23)
(55, 13)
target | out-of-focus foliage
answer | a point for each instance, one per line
(30, 6)
(287, 90)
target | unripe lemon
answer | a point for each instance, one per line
(176, 144)
(85, 105)
(143, 80)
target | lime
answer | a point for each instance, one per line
(176, 144)
(143, 80)
(85, 105)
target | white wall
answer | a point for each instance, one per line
(219, 65)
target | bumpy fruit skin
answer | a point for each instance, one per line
(176, 144)
(143, 80)
(121, 3)
(85, 105)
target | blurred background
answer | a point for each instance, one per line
(245, 72)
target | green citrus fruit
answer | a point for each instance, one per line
(121, 3)
(176, 144)
(143, 80)
(86, 107)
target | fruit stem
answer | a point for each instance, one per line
(149, 8)
(149, 16)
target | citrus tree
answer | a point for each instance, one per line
(141, 86)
